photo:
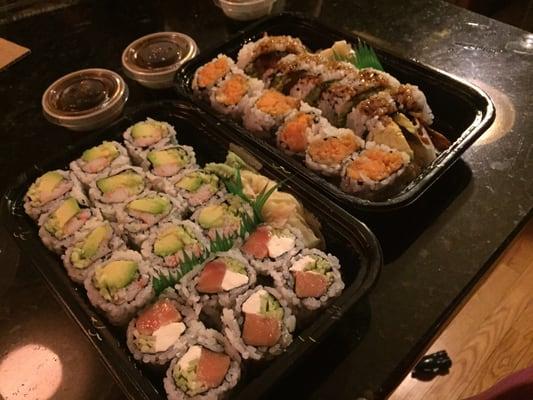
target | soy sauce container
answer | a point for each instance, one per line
(153, 60)
(85, 100)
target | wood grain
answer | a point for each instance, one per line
(491, 335)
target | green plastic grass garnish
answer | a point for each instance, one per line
(364, 56)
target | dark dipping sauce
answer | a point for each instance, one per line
(157, 54)
(83, 95)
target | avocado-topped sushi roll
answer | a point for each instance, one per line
(269, 248)
(48, 189)
(229, 95)
(310, 279)
(167, 162)
(196, 186)
(298, 129)
(327, 151)
(265, 113)
(257, 58)
(145, 211)
(218, 281)
(223, 218)
(374, 168)
(210, 74)
(416, 134)
(99, 160)
(170, 243)
(147, 135)
(120, 285)
(260, 325)
(207, 369)
(160, 331)
(94, 241)
(341, 96)
(120, 186)
(57, 228)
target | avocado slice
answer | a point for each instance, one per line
(147, 129)
(105, 150)
(270, 307)
(45, 185)
(114, 276)
(81, 255)
(57, 220)
(151, 205)
(190, 183)
(127, 179)
(168, 156)
(168, 243)
(212, 216)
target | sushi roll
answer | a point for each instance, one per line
(94, 241)
(264, 113)
(341, 96)
(147, 135)
(374, 168)
(120, 186)
(120, 285)
(145, 211)
(168, 244)
(50, 188)
(207, 369)
(260, 325)
(230, 95)
(257, 58)
(160, 331)
(310, 279)
(222, 219)
(168, 162)
(298, 129)
(57, 228)
(369, 110)
(197, 186)
(218, 282)
(210, 74)
(411, 100)
(269, 248)
(99, 160)
(417, 135)
(326, 152)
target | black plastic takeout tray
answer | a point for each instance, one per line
(462, 111)
(346, 237)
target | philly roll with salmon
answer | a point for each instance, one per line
(310, 279)
(208, 368)
(260, 325)
(160, 330)
(218, 282)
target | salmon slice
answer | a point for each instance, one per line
(260, 331)
(294, 133)
(256, 244)
(310, 284)
(161, 313)
(211, 277)
(212, 367)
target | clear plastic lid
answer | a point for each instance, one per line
(86, 99)
(153, 60)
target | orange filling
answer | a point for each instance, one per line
(333, 150)
(233, 90)
(275, 103)
(212, 71)
(375, 164)
(293, 134)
